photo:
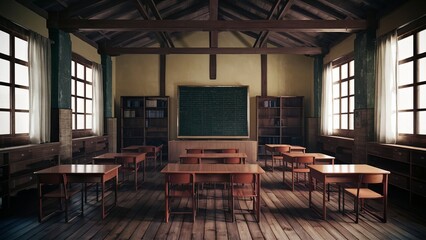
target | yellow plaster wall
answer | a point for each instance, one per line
(287, 74)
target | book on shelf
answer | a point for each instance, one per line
(151, 103)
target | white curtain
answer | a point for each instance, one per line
(39, 68)
(98, 100)
(326, 127)
(385, 99)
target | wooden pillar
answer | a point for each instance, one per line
(213, 7)
(107, 84)
(162, 75)
(264, 74)
(318, 70)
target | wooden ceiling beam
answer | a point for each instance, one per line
(289, 50)
(211, 25)
(213, 38)
(157, 15)
(271, 13)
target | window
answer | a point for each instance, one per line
(14, 85)
(81, 94)
(411, 92)
(343, 96)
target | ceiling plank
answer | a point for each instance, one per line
(211, 25)
(289, 50)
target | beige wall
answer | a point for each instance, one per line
(287, 74)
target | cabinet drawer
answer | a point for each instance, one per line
(401, 155)
(419, 158)
(48, 151)
(399, 181)
(389, 153)
(419, 188)
(20, 155)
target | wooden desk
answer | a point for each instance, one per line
(272, 149)
(214, 171)
(87, 173)
(341, 173)
(215, 157)
(151, 150)
(124, 159)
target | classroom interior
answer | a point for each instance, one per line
(138, 72)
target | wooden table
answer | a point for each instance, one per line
(88, 173)
(215, 157)
(292, 157)
(206, 171)
(341, 173)
(124, 159)
(154, 150)
(272, 148)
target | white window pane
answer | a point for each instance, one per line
(88, 121)
(5, 122)
(336, 90)
(21, 75)
(351, 104)
(422, 69)
(405, 122)
(351, 122)
(22, 122)
(336, 106)
(22, 99)
(73, 121)
(344, 121)
(422, 120)
(344, 71)
(89, 91)
(344, 89)
(88, 74)
(422, 41)
(336, 121)
(80, 71)
(72, 68)
(21, 49)
(5, 97)
(80, 121)
(4, 43)
(405, 73)
(352, 87)
(89, 106)
(336, 75)
(405, 98)
(405, 47)
(73, 104)
(344, 105)
(351, 68)
(80, 105)
(80, 89)
(72, 87)
(4, 71)
(422, 97)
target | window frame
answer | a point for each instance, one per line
(346, 59)
(13, 138)
(414, 139)
(77, 59)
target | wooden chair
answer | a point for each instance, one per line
(230, 150)
(128, 166)
(361, 192)
(194, 150)
(300, 165)
(180, 185)
(231, 160)
(243, 186)
(150, 154)
(56, 186)
(277, 155)
(190, 160)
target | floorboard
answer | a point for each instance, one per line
(140, 215)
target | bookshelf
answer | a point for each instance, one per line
(145, 121)
(279, 121)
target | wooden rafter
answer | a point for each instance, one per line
(157, 16)
(211, 25)
(213, 38)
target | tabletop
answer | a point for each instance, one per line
(214, 155)
(212, 168)
(348, 169)
(315, 155)
(78, 169)
(117, 155)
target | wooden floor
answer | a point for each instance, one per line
(285, 215)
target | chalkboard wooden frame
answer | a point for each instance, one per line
(203, 114)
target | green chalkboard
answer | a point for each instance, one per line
(213, 112)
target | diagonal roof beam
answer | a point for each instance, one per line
(271, 13)
(346, 26)
(157, 15)
(161, 38)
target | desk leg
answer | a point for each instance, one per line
(136, 174)
(258, 198)
(103, 198)
(310, 190)
(324, 209)
(144, 170)
(116, 188)
(166, 198)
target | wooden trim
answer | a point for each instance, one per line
(163, 75)
(264, 75)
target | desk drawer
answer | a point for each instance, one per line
(399, 181)
(419, 158)
(419, 188)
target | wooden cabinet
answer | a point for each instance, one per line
(84, 149)
(18, 164)
(279, 121)
(145, 121)
(339, 147)
(407, 166)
